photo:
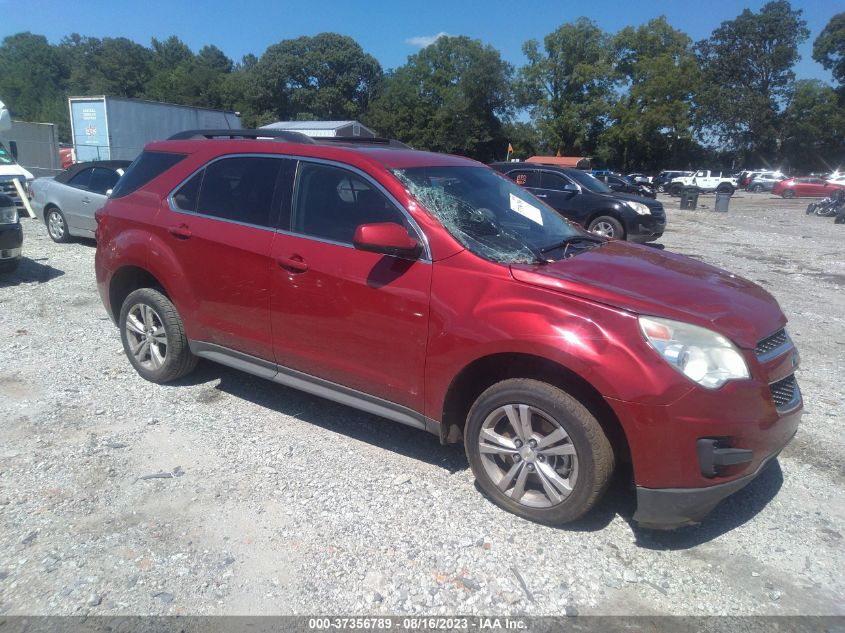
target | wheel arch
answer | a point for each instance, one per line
(128, 279)
(486, 371)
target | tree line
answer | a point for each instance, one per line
(645, 98)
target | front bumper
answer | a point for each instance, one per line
(646, 229)
(11, 240)
(670, 508)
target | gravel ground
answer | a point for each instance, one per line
(226, 494)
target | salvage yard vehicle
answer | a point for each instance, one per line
(705, 181)
(11, 235)
(583, 198)
(430, 290)
(67, 203)
(764, 181)
(805, 188)
(662, 180)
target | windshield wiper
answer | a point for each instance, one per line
(572, 240)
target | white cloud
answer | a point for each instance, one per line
(425, 40)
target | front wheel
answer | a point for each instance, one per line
(675, 190)
(811, 208)
(607, 226)
(789, 193)
(661, 188)
(154, 338)
(537, 452)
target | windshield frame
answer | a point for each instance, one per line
(589, 182)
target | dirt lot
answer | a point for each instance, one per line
(271, 501)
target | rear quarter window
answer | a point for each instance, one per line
(143, 169)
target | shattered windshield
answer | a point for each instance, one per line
(488, 214)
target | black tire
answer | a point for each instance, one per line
(661, 188)
(757, 188)
(725, 188)
(810, 208)
(676, 189)
(788, 193)
(56, 225)
(607, 226)
(10, 265)
(593, 460)
(839, 219)
(177, 360)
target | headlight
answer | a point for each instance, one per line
(700, 354)
(8, 215)
(639, 207)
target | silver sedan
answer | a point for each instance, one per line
(67, 203)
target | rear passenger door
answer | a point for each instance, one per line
(220, 225)
(102, 180)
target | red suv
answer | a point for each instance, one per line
(430, 290)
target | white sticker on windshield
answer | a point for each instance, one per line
(527, 210)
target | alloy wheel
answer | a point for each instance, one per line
(604, 229)
(56, 225)
(528, 455)
(146, 336)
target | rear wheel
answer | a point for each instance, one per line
(607, 226)
(788, 193)
(757, 188)
(537, 452)
(725, 188)
(839, 219)
(154, 338)
(57, 226)
(810, 208)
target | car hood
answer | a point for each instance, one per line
(647, 281)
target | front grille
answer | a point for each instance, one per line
(7, 187)
(785, 393)
(771, 343)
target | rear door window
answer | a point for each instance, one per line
(525, 178)
(246, 189)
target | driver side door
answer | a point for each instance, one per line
(351, 317)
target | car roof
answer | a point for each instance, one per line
(74, 169)
(385, 156)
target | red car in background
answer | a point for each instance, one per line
(805, 188)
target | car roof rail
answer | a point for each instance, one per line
(287, 136)
(364, 140)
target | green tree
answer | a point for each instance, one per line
(567, 86)
(747, 76)
(328, 76)
(813, 133)
(829, 48)
(31, 77)
(650, 123)
(452, 96)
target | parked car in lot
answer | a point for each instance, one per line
(704, 180)
(621, 184)
(67, 203)
(805, 188)
(662, 180)
(764, 181)
(11, 235)
(584, 199)
(430, 290)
